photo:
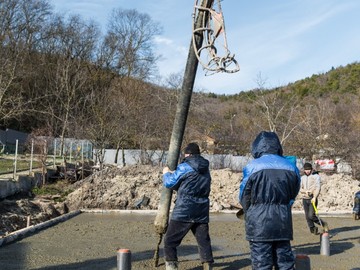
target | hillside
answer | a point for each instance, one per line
(62, 79)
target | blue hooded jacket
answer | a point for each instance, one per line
(269, 186)
(192, 181)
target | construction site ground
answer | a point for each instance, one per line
(92, 240)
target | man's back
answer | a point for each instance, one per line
(192, 181)
(270, 185)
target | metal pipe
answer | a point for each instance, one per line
(324, 244)
(182, 110)
(302, 262)
(124, 259)
(15, 157)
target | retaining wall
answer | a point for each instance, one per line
(22, 183)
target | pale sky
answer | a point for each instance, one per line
(283, 40)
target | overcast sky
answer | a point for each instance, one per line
(282, 40)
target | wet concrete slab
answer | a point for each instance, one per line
(91, 241)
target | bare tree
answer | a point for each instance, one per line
(100, 122)
(277, 110)
(21, 23)
(130, 43)
(127, 50)
(72, 44)
(326, 128)
(41, 140)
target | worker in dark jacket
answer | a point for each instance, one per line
(192, 181)
(268, 189)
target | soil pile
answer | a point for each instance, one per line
(18, 213)
(139, 187)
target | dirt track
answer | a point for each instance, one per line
(90, 241)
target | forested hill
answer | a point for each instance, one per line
(62, 76)
(340, 80)
(318, 116)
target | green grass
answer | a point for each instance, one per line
(58, 188)
(7, 165)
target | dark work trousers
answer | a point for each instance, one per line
(310, 216)
(175, 233)
(265, 255)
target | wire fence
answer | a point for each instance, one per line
(44, 153)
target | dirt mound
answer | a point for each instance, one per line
(18, 213)
(114, 188)
(139, 187)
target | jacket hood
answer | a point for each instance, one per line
(266, 143)
(198, 163)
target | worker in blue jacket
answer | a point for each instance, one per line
(267, 191)
(192, 181)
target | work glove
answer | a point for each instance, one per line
(240, 214)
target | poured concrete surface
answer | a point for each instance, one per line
(91, 240)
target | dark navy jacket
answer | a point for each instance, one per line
(192, 181)
(268, 189)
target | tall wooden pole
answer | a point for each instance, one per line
(162, 217)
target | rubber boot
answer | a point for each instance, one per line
(207, 266)
(314, 230)
(325, 226)
(171, 265)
